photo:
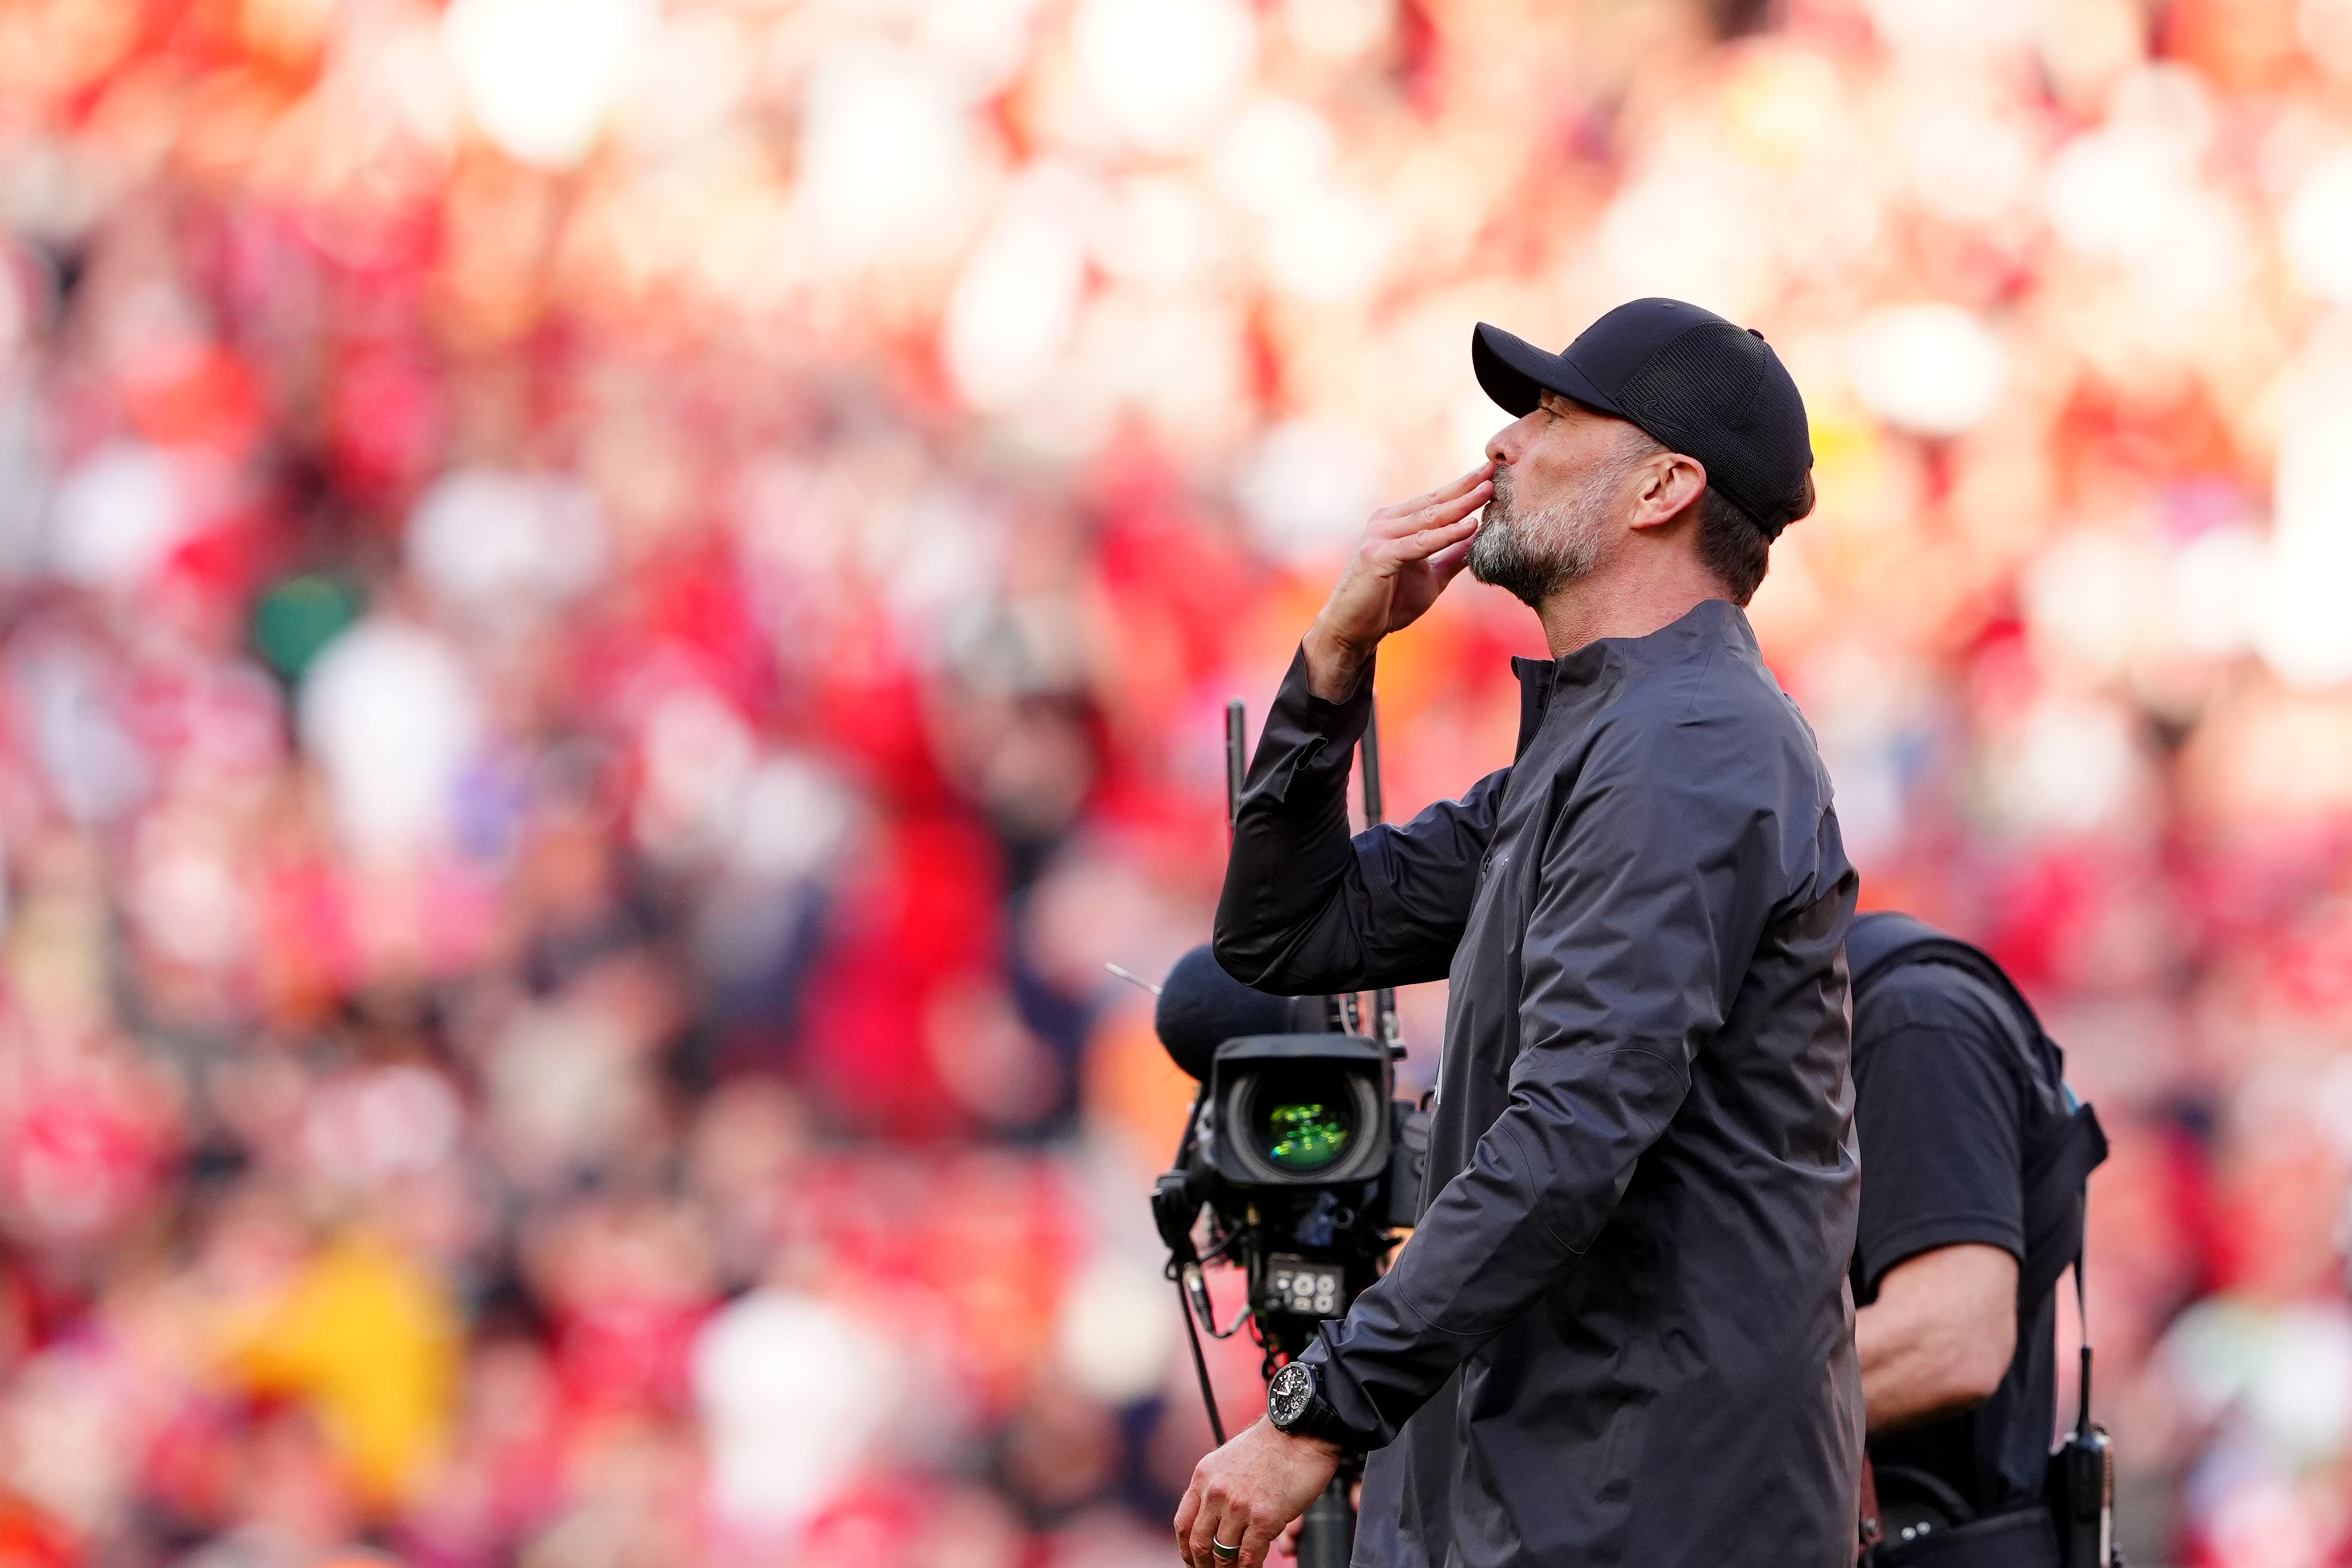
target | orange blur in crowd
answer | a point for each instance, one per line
(609, 609)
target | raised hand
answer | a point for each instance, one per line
(1410, 551)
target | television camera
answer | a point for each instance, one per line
(1298, 1157)
(1298, 1166)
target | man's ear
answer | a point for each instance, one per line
(1670, 483)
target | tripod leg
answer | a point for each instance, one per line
(1327, 1537)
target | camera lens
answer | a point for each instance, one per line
(1305, 1122)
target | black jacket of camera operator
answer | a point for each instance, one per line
(1621, 1332)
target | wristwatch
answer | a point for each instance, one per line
(1294, 1404)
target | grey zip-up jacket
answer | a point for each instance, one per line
(1622, 1332)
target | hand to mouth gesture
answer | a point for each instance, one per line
(1410, 551)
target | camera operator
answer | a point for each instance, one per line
(1973, 1162)
(1621, 1331)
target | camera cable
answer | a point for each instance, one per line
(1201, 1365)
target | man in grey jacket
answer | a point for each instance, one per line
(1621, 1332)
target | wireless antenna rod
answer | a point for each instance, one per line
(1236, 760)
(1132, 978)
(1385, 1025)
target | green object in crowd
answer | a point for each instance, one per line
(295, 620)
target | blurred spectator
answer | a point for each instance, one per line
(609, 608)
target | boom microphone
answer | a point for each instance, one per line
(1202, 1008)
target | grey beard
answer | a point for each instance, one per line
(1535, 556)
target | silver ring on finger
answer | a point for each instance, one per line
(1224, 1550)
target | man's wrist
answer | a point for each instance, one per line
(1334, 668)
(1323, 1446)
(1296, 1406)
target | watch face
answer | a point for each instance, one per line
(1287, 1395)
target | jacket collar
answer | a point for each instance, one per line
(1535, 698)
(1711, 623)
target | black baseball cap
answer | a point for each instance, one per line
(1693, 381)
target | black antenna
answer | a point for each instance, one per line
(2082, 1314)
(1385, 1027)
(1236, 761)
(1189, 1283)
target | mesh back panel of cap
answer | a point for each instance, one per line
(1712, 392)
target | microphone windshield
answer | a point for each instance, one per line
(1202, 1008)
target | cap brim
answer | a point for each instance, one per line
(1516, 374)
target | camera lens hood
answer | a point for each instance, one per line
(1299, 1110)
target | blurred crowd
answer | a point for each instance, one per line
(610, 608)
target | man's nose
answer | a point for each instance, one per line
(1505, 445)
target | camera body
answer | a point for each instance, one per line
(1306, 1164)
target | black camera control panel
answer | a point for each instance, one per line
(1305, 1289)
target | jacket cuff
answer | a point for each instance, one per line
(1307, 735)
(1346, 1417)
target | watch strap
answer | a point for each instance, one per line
(1317, 1419)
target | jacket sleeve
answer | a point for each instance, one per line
(1657, 886)
(1307, 908)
